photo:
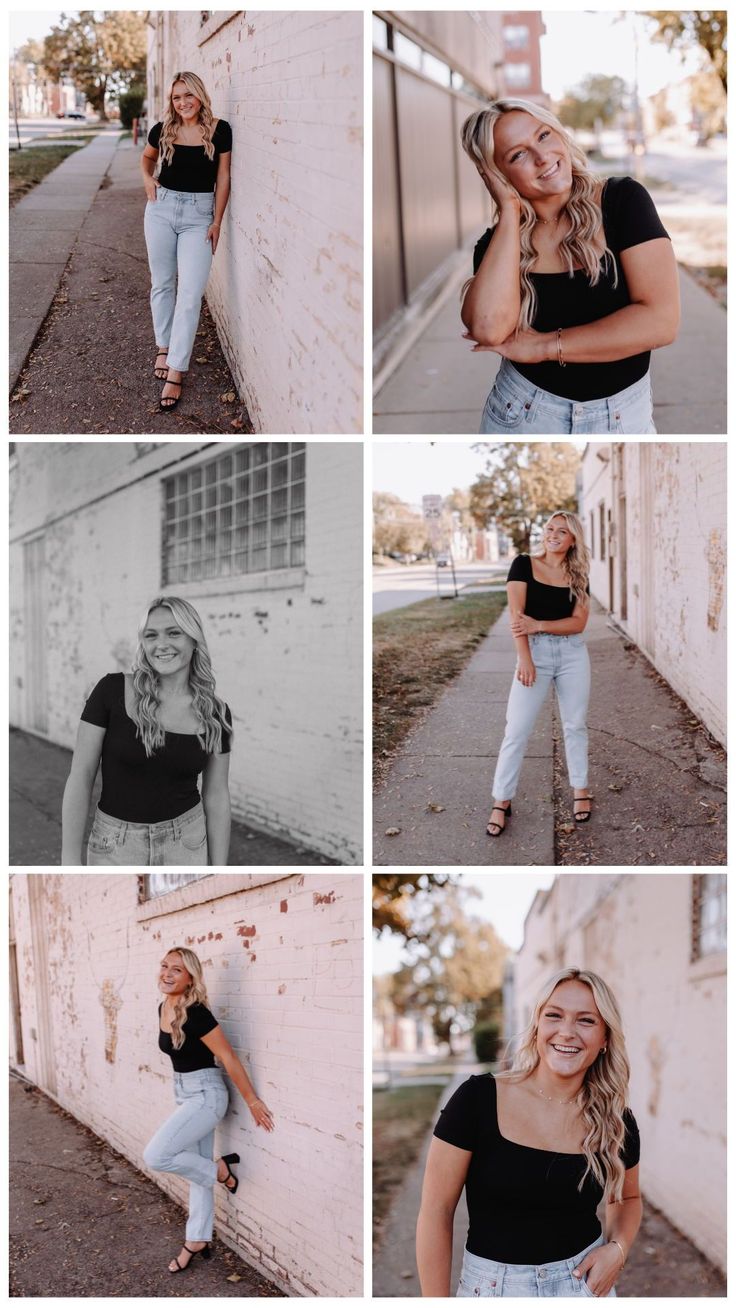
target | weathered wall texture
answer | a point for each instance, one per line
(283, 965)
(286, 285)
(674, 542)
(286, 646)
(636, 932)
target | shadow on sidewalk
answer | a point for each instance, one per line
(38, 773)
(84, 1223)
(91, 368)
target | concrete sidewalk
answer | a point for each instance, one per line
(91, 368)
(38, 773)
(43, 228)
(658, 778)
(662, 1261)
(84, 1223)
(441, 386)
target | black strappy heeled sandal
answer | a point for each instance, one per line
(160, 372)
(580, 818)
(206, 1253)
(498, 808)
(227, 1159)
(168, 402)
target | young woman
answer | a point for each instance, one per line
(186, 173)
(537, 1149)
(155, 730)
(548, 609)
(573, 286)
(191, 1037)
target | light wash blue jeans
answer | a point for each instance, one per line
(180, 842)
(481, 1278)
(180, 258)
(185, 1143)
(516, 406)
(561, 661)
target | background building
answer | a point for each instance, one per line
(655, 521)
(265, 539)
(283, 959)
(522, 57)
(286, 287)
(660, 943)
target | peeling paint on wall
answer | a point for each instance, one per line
(111, 1003)
(716, 575)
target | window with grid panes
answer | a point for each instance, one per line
(238, 513)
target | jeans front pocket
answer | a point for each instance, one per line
(101, 839)
(505, 409)
(476, 1287)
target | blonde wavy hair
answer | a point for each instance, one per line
(172, 121)
(577, 560)
(577, 247)
(603, 1096)
(208, 708)
(195, 993)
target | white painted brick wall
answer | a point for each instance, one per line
(676, 552)
(286, 285)
(289, 999)
(288, 661)
(635, 932)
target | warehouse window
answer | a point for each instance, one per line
(708, 925)
(153, 884)
(241, 512)
(517, 76)
(516, 36)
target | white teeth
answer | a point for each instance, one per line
(549, 171)
(566, 1049)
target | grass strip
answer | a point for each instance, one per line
(29, 167)
(417, 651)
(401, 1120)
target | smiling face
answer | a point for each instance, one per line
(571, 1031)
(531, 155)
(185, 103)
(558, 538)
(173, 976)
(167, 648)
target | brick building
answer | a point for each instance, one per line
(655, 520)
(522, 59)
(286, 288)
(283, 960)
(265, 540)
(660, 943)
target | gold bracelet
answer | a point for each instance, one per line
(621, 1247)
(560, 359)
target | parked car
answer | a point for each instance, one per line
(443, 560)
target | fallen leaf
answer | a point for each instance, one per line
(234, 1277)
(201, 358)
(228, 397)
(393, 831)
(435, 808)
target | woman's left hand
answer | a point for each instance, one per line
(523, 626)
(262, 1116)
(213, 235)
(601, 1269)
(524, 347)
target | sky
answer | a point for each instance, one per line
(32, 25)
(578, 43)
(411, 469)
(505, 902)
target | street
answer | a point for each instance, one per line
(394, 588)
(35, 130)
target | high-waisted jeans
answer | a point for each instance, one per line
(481, 1278)
(516, 406)
(180, 258)
(561, 661)
(185, 1143)
(180, 842)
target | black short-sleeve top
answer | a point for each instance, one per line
(629, 218)
(524, 1204)
(193, 1055)
(190, 169)
(543, 602)
(136, 788)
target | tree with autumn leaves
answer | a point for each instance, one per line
(103, 52)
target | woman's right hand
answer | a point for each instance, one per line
(151, 187)
(526, 672)
(504, 196)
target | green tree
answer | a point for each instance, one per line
(683, 28)
(103, 52)
(396, 526)
(457, 968)
(394, 896)
(524, 482)
(596, 99)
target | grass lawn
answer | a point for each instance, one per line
(401, 1119)
(29, 167)
(417, 650)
